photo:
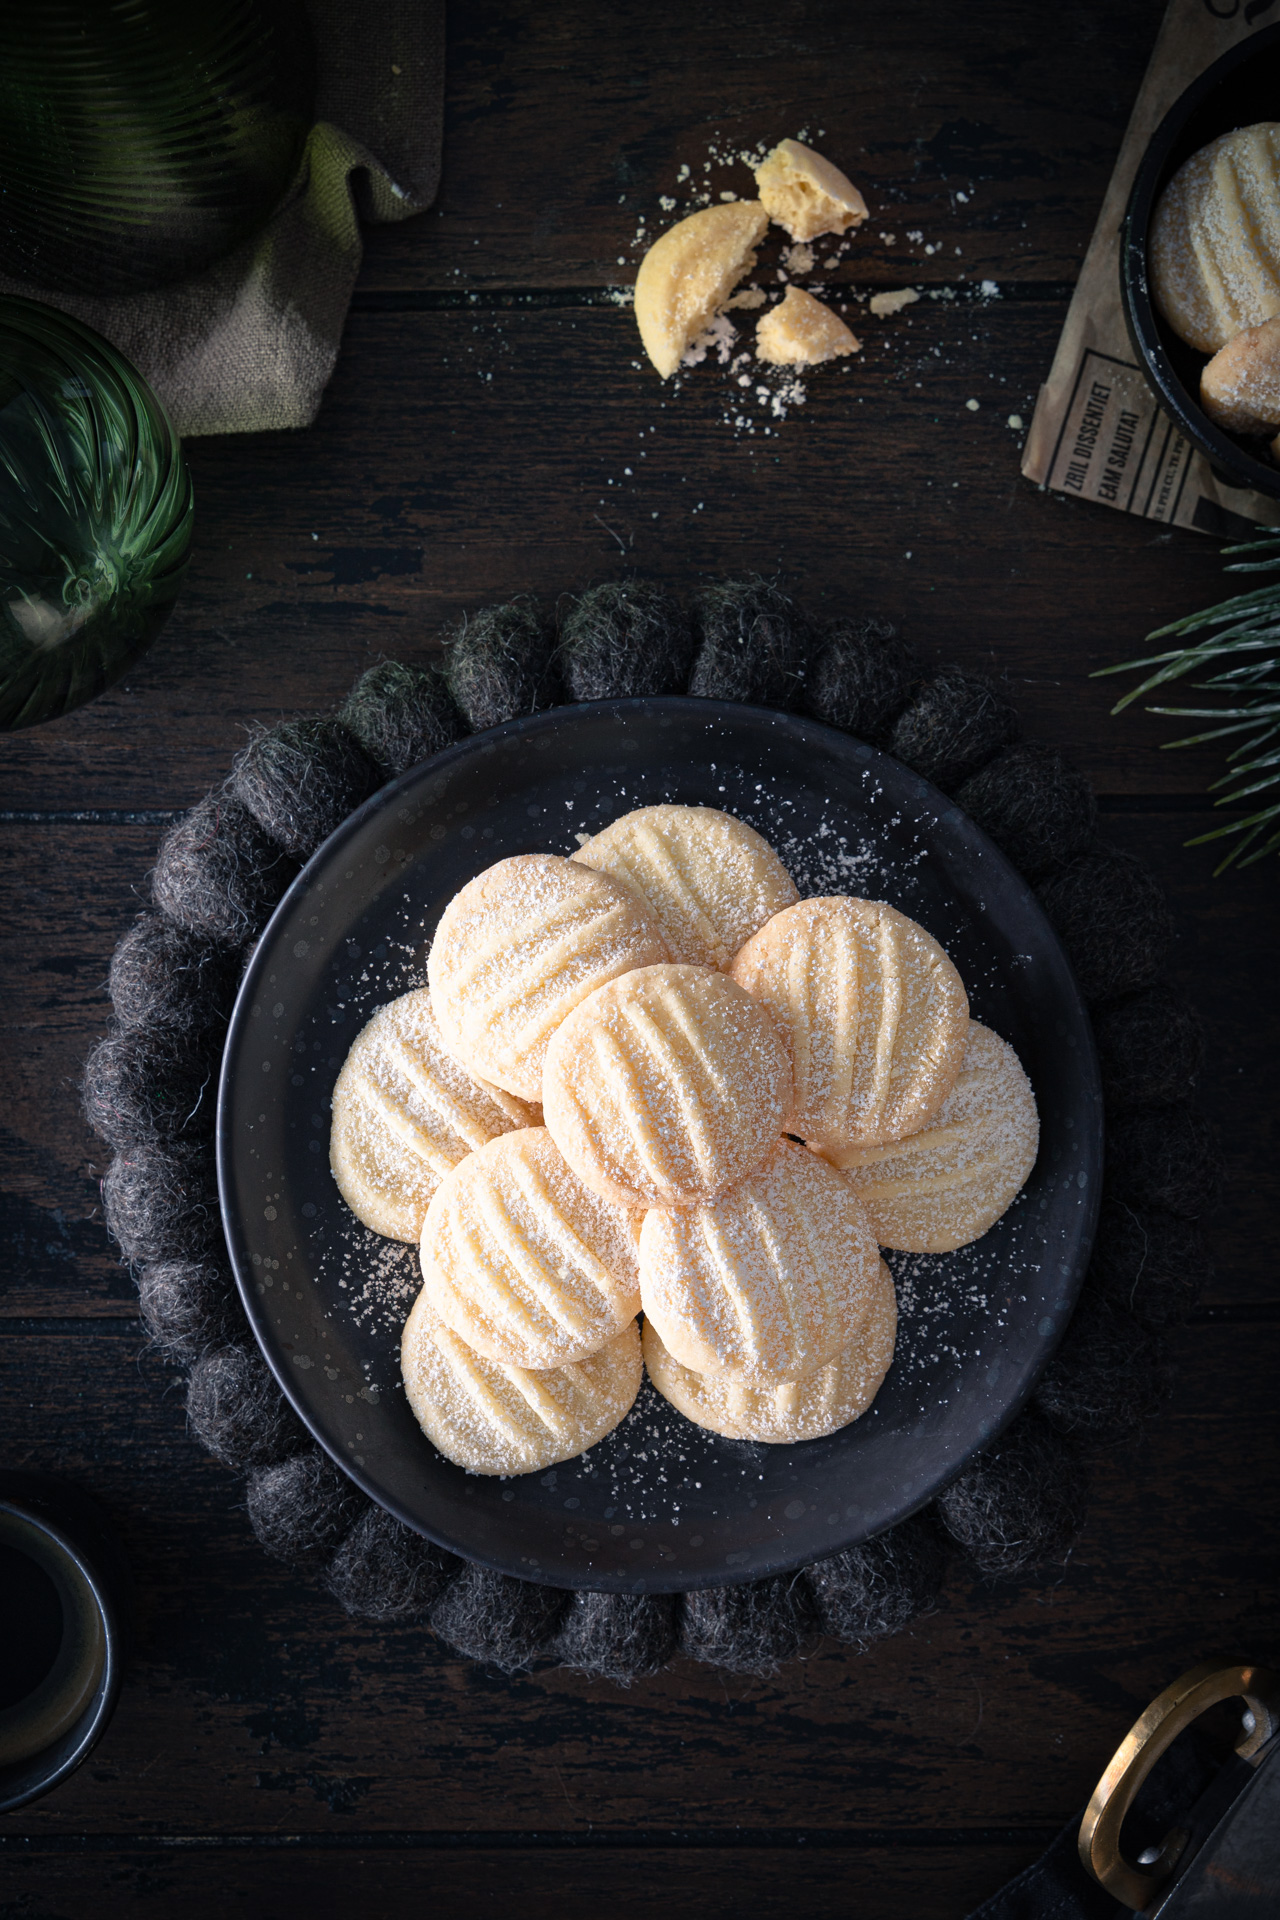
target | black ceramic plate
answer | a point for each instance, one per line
(659, 1504)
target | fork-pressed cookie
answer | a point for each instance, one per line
(766, 1282)
(405, 1112)
(708, 879)
(784, 1411)
(942, 1187)
(523, 1261)
(875, 1012)
(1215, 238)
(518, 948)
(1240, 386)
(496, 1418)
(666, 1086)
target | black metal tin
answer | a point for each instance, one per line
(1240, 89)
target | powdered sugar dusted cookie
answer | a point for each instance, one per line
(767, 1282)
(665, 1086)
(940, 1188)
(1240, 387)
(876, 1014)
(823, 1402)
(517, 949)
(708, 879)
(689, 273)
(529, 1266)
(1215, 238)
(404, 1113)
(491, 1418)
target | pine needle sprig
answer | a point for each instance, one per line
(1241, 661)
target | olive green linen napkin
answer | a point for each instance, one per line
(251, 343)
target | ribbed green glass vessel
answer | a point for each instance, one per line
(95, 513)
(141, 140)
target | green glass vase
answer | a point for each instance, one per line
(95, 513)
(141, 140)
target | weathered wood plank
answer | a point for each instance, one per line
(460, 457)
(561, 132)
(71, 892)
(428, 489)
(254, 1705)
(880, 1883)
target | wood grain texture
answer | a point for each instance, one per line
(565, 125)
(878, 1882)
(72, 892)
(462, 458)
(269, 1753)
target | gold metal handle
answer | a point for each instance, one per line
(1134, 1758)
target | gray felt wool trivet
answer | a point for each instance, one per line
(149, 1092)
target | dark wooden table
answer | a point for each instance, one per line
(269, 1755)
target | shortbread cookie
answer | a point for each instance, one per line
(491, 1418)
(806, 194)
(707, 879)
(940, 1188)
(821, 1403)
(875, 1012)
(517, 949)
(666, 1086)
(404, 1113)
(802, 332)
(689, 273)
(524, 1262)
(1215, 239)
(767, 1283)
(1240, 387)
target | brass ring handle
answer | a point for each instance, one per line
(1138, 1752)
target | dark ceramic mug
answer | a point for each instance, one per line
(63, 1591)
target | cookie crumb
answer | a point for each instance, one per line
(883, 304)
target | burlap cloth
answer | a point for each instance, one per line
(251, 342)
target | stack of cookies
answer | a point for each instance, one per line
(1215, 274)
(650, 1077)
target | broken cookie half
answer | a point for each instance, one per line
(689, 273)
(807, 195)
(802, 332)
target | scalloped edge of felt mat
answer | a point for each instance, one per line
(223, 867)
